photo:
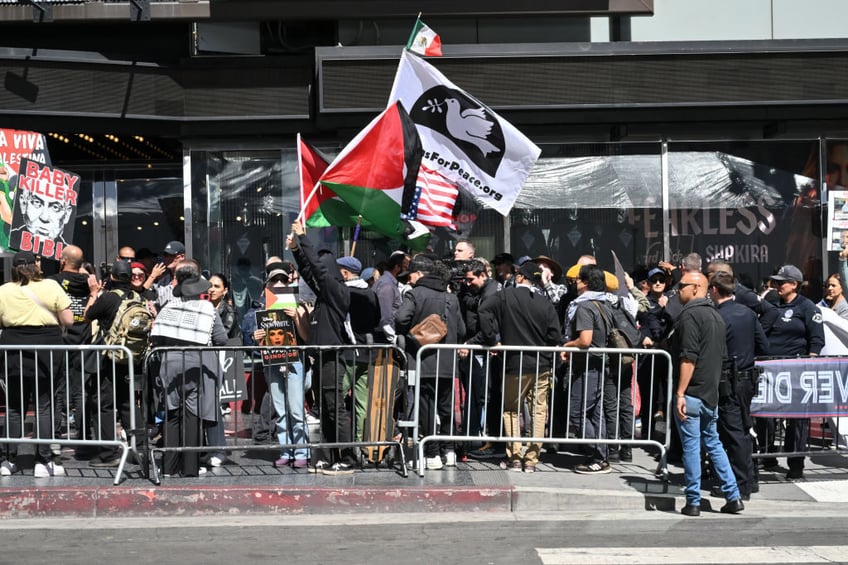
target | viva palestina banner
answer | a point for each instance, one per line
(463, 139)
(810, 387)
(45, 208)
(376, 175)
(16, 145)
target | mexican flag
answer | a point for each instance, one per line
(376, 173)
(320, 207)
(424, 41)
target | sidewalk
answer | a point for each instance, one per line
(252, 485)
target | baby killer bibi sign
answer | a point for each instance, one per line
(14, 146)
(45, 207)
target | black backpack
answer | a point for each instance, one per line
(622, 332)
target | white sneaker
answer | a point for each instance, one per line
(48, 470)
(56, 449)
(7, 468)
(202, 471)
(215, 461)
(450, 459)
(319, 466)
(312, 420)
(434, 463)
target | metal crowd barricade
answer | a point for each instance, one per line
(68, 386)
(335, 374)
(792, 394)
(558, 412)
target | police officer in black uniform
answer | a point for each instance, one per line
(745, 340)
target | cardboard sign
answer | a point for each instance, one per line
(16, 145)
(234, 384)
(280, 332)
(45, 208)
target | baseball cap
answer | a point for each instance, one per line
(137, 265)
(788, 273)
(23, 258)
(352, 264)
(367, 273)
(419, 263)
(174, 248)
(531, 271)
(122, 271)
(656, 271)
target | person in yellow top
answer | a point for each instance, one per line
(33, 311)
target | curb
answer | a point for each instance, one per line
(94, 502)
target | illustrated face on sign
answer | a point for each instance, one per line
(276, 336)
(44, 216)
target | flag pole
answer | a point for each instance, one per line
(356, 236)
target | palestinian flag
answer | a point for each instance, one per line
(424, 41)
(376, 173)
(320, 207)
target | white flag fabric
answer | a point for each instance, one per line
(463, 139)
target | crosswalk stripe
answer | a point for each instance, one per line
(826, 491)
(687, 555)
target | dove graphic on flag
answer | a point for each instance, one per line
(464, 140)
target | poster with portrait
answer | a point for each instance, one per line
(279, 333)
(837, 220)
(45, 208)
(16, 145)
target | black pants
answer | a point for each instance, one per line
(733, 425)
(336, 408)
(473, 378)
(618, 403)
(113, 393)
(434, 402)
(32, 375)
(182, 429)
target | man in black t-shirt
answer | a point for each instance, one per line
(698, 348)
(76, 285)
(585, 327)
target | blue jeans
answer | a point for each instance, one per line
(287, 395)
(700, 428)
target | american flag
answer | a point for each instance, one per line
(434, 199)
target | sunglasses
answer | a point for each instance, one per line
(278, 279)
(139, 276)
(681, 286)
(655, 281)
(128, 259)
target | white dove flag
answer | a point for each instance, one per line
(464, 139)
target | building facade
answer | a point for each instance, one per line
(666, 126)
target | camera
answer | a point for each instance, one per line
(457, 270)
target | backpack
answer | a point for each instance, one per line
(621, 333)
(130, 328)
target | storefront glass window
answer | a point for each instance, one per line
(591, 199)
(754, 204)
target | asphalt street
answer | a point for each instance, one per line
(806, 536)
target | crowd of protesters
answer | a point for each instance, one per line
(699, 317)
